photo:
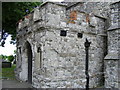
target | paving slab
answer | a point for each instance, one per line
(15, 84)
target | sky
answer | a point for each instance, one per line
(9, 48)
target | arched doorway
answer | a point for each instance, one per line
(29, 55)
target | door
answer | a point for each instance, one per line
(29, 55)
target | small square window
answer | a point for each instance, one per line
(63, 33)
(80, 35)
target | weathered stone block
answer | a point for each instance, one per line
(59, 60)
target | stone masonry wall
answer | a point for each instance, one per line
(64, 57)
(59, 61)
(112, 58)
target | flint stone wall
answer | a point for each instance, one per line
(60, 63)
(112, 59)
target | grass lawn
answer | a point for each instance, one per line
(8, 73)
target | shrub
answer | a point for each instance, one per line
(10, 58)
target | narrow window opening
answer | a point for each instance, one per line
(38, 49)
(40, 53)
(40, 59)
(19, 49)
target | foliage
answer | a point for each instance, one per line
(3, 38)
(15, 51)
(3, 57)
(10, 58)
(12, 12)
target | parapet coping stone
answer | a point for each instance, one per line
(44, 3)
(114, 28)
(115, 2)
(111, 56)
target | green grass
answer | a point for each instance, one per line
(8, 73)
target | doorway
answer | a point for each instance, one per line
(29, 55)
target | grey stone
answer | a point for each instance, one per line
(59, 61)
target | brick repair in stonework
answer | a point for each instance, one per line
(50, 45)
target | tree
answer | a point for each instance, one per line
(10, 58)
(12, 12)
(3, 57)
